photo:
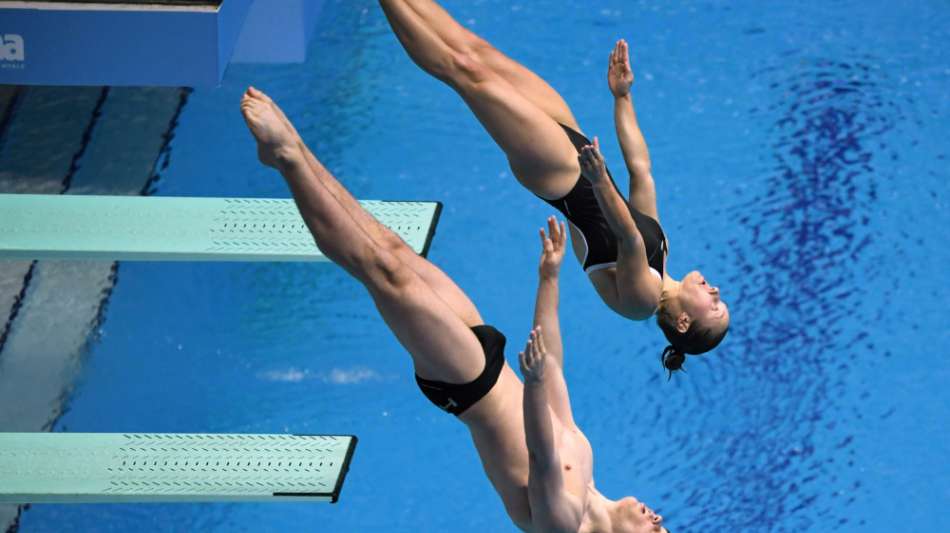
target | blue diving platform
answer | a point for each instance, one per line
(147, 42)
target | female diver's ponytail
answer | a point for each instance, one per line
(672, 359)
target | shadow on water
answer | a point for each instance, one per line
(801, 257)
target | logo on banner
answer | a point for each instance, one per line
(12, 51)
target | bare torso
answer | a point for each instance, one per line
(499, 437)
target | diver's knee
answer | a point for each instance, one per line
(468, 69)
(387, 272)
(394, 244)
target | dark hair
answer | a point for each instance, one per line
(672, 359)
(695, 340)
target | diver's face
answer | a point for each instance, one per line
(701, 301)
(636, 517)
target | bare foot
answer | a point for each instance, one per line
(274, 140)
(280, 112)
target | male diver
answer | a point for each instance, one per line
(537, 459)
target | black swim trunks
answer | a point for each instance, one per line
(581, 208)
(457, 398)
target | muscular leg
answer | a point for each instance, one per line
(540, 154)
(529, 84)
(441, 344)
(440, 283)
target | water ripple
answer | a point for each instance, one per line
(801, 304)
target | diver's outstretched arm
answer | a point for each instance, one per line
(611, 202)
(550, 509)
(546, 302)
(638, 293)
(546, 317)
(632, 144)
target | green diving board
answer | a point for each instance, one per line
(37, 226)
(170, 467)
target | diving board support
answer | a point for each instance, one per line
(171, 467)
(37, 226)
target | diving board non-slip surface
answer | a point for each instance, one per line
(34, 226)
(162, 467)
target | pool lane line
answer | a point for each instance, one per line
(17, 304)
(67, 182)
(8, 113)
(84, 143)
(164, 152)
(15, 524)
(161, 162)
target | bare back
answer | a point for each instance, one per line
(499, 438)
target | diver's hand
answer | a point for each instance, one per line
(592, 163)
(533, 357)
(552, 248)
(619, 75)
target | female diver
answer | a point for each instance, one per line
(618, 241)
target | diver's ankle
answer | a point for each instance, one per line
(287, 155)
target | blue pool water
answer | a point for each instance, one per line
(800, 156)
